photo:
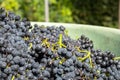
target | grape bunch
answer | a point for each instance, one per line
(41, 52)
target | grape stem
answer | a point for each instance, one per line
(87, 56)
(116, 58)
(60, 41)
(30, 46)
(13, 77)
(66, 32)
(26, 38)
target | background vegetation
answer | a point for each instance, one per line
(95, 12)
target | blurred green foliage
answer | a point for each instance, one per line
(60, 11)
(95, 12)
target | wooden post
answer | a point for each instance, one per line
(46, 11)
(119, 15)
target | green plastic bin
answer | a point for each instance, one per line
(103, 38)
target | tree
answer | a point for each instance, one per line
(119, 15)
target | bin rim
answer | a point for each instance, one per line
(103, 28)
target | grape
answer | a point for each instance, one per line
(16, 59)
(58, 78)
(60, 71)
(67, 69)
(14, 67)
(78, 64)
(3, 64)
(68, 54)
(22, 77)
(72, 68)
(10, 57)
(35, 65)
(3, 75)
(55, 70)
(56, 63)
(29, 75)
(74, 58)
(21, 69)
(46, 73)
(49, 53)
(66, 63)
(8, 70)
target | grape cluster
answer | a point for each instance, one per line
(48, 53)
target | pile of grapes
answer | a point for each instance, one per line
(47, 53)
